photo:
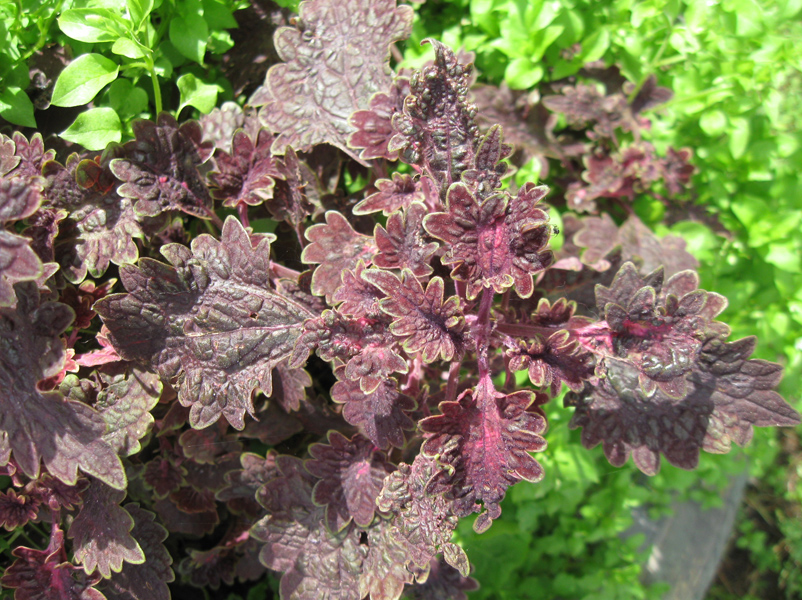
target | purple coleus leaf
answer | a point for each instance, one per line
(727, 394)
(425, 520)
(35, 426)
(289, 201)
(380, 415)
(365, 345)
(483, 441)
(658, 328)
(335, 247)
(351, 473)
(436, 130)
(31, 154)
(374, 126)
(17, 509)
(210, 322)
(398, 192)
(585, 104)
(297, 543)
(498, 242)
(247, 174)
(357, 297)
(160, 168)
(424, 322)
(19, 198)
(335, 59)
(146, 581)
(551, 361)
(101, 532)
(385, 571)
(48, 575)
(403, 244)
(239, 493)
(443, 582)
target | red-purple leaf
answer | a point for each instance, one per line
(335, 247)
(385, 571)
(101, 532)
(336, 58)
(242, 484)
(32, 155)
(380, 415)
(499, 242)
(423, 519)
(163, 476)
(553, 361)
(19, 198)
(403, 244)
(351, 473)
(358, 297)
(426, 324)
(247, 174)
(146, 581)
(484, 440)
(42, 426)
(393, 194)
(160, 170)
(178, 521)
(443, 582)
(211, 322)
(297, 542)
(374, 125)
(47, 575)
(17, 509)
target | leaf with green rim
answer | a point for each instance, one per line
(82, 79)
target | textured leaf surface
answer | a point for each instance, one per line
(499, 242)
(210, 322)
(426, 323)
(334, 61)
(47, 575)
(443, 582)
(374, 125)
(403, 245)
(553, 361)
(335, 247)
(101, 532)
(42, 426)
(146, 581)
(297, 542)
(160, 168)
(351, 474)
(425, 520)
(484, 438)
(19, 198)
(398, 192)
(380, 415)
(247, 174)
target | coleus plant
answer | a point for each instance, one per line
(331, 424)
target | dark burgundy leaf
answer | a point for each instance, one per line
(101, 532)
(290, 201)
(335, 59)
(374, 125)
(289, 386)
(19, 198)
(242, 484)
(443, 582)
(552, 361)
(178, 521)
(160, 171)
(584, 104)
(426, 324)
(42, 231)
(423, 519)
(676, 169)
(351, 473)
(649, 95)
(210, 322)
(32, 155)
(403, 244)
(147, 581)
(274, 425)
(163, 476)
(393, 194)
(335, 247)
(436, 129)
(42, 426)
(47, 575)
(380, 415)
(206, 445)
(484, 438)
(499, 242)
(358, 297)
(55, 493)
(17, 509)
(366, 346)
(297, 543)
(191, 501)
(219, 125)
(247, 174)
(8, 160)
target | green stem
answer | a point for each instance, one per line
(44, 29)
(157, 93)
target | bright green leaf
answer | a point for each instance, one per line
(16, 107)
(94, 129)
(92, 24)
(739, 137)
(127, 99)
(82, 79)
(189, 35)
(127, 47)
(713, 122)
(139, 11)
(218, 15)
(196, 93)
(522, 74)
(596, 45)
